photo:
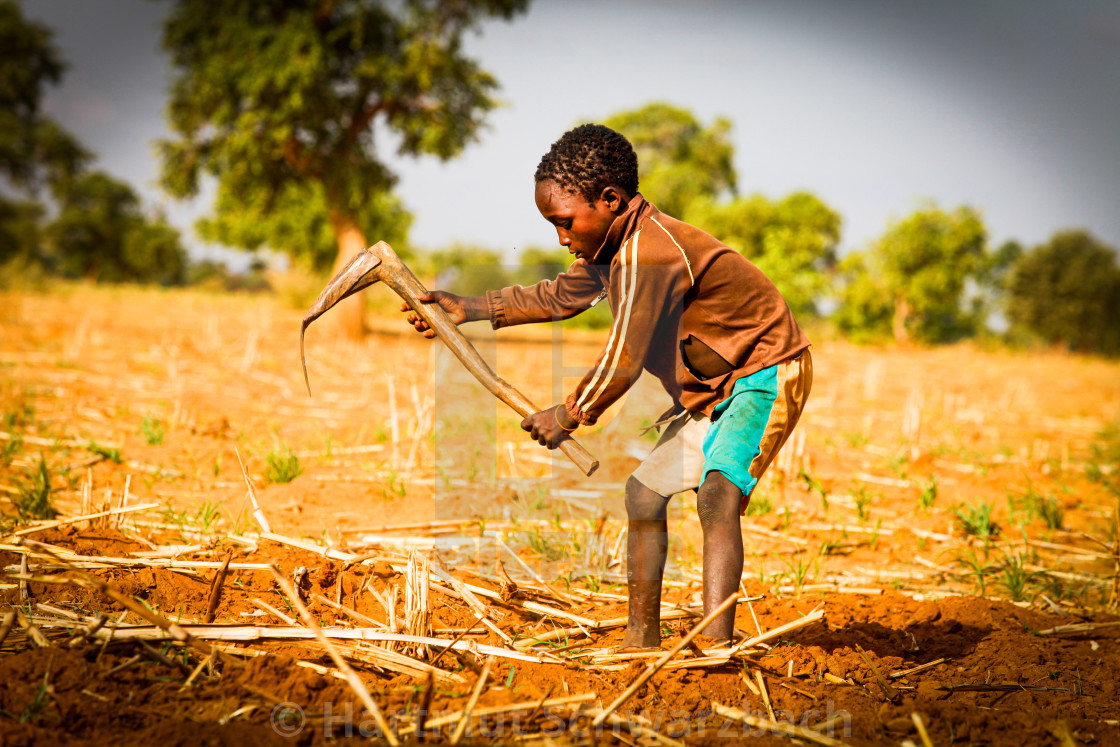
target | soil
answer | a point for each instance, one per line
(868, 517)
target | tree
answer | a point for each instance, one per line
(33, 149)
(919, 269)
(1067, 291)
(792, 240)
(278, 99)
(679, 160)
(20, 228)
(101, 234)
(687, 170)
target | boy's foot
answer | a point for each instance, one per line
(641, 639)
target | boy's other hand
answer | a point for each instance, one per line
(545, 429)
(455, 306)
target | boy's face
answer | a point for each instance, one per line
(580, 226)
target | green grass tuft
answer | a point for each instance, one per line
(152, 430)
(34, 499)
(977, 520)
(283, 465)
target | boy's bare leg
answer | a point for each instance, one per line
(717, 505)
(647, 540)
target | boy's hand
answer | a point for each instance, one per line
(549, 427)
(459, 308)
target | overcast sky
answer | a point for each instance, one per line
(1011, 106)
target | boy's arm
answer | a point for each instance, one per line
(573, 291)
(652, 283)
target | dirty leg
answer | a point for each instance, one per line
(647, 540)
(717, 505)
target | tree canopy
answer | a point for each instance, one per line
(1067, 292)
(687, 170)
(912, 281)
(793, 240)
(280, 100)
(679, 160)
(101, 233)
(34, 149)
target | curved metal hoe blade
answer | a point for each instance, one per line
(358, 274)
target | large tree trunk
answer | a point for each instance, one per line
(898, 323)
(348, 317)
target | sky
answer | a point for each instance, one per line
(878, 106)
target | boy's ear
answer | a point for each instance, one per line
(614, 198)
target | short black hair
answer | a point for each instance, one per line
(588, 159)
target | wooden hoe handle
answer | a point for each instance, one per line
(394, 273)
(381, 263)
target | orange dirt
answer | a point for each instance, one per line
(87, 376)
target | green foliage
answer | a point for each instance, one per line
(34, 498)
(679, 160)
(152, 430)
(101, 233)
(1105, 465)
(470, 271)
(1067, 292)
(1035, 505)
(686, 170)
(865, 309)
(928, 495)
(33, 148)
(278, 99)
(977, 520)
(792, 240)
(106, 453)
(536, 264)
(862, 497)
(759, 505)
(978, 568)
(800, 571)
(217, 276)
(20, 228)
(1014, 576)
(283, 465)
(911, 283)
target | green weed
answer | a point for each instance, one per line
(208, 515)
(928, 495)
(9, 448)
(978, 569)
(112, 455)
(759, 505)
(800, 571)
(1104, 467)
(32, 712)
(1052, 512)
(648, 431)
(1034, 505)
(152, 430)
(1014, 576)
(34, 498)
(283, 465)
(813, 485)
(862, 497)
(977, 520)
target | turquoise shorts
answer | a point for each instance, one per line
(738, 424)
(741, 438)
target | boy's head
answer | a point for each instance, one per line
(583, 183)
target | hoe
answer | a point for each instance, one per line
(380, 263)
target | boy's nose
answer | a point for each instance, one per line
(565, 238)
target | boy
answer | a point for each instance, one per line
(695, 314)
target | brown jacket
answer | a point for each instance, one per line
(688, 309)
